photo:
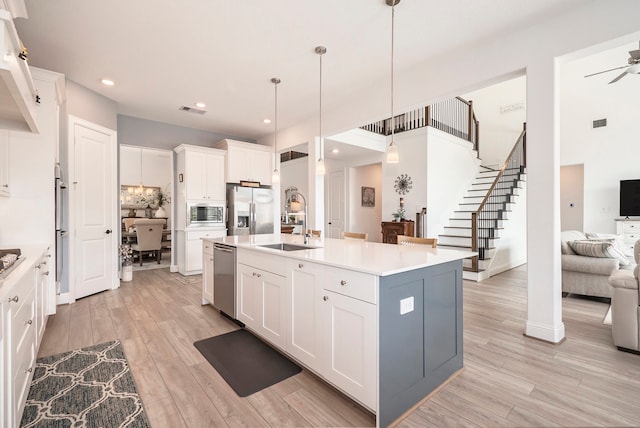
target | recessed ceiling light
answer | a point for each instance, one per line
(267, 121)
(334, 151)
(107, 82)
(200, 105)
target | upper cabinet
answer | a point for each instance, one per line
(202, 172)
(17, 91)
(247, 161)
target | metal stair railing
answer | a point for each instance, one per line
(491, 208)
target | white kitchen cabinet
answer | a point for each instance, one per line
(304, 311)
(247, 161)
(332, 326)
(349, 346)
(19, 341)
(190, 248)
(43, 271)
(204, 174)
(207, 273)
(261, 303)
(5, 189)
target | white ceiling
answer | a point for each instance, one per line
(164, 54)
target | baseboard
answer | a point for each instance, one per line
(173, 268)
(64, 299)
(545, 332)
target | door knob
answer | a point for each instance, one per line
(108, 231)
(325, 298)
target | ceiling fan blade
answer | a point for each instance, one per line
(635, 54)
(606, 71)
(618, 78)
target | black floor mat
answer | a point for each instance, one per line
(245, 362)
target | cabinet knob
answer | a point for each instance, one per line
(5, 185)
(45, 273)
(28, 322)
(29, 370)
(325, 298)
(259, 275)
(300, 265)
(14, 299)
(38, 266)
(343, 282)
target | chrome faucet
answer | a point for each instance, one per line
(304, 221)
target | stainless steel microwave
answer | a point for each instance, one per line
(205, 214)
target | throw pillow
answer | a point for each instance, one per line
(599, 248)
(618, 242)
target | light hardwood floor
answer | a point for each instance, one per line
(508, 380)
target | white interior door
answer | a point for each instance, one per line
(335, 204)
(93, 209)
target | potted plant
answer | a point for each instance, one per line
(126, 254)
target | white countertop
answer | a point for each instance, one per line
(369, 257)
(30, 254)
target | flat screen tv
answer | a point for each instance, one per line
(630, 198)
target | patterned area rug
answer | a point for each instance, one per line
(88, 387)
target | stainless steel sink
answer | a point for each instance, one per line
(287, 247)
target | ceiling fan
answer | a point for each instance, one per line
(632, 68)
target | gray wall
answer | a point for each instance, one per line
(86, 104)
(148, 133)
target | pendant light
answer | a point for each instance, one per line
(392, 150)
(320, 170)
(275, 177)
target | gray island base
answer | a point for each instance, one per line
(419, 349)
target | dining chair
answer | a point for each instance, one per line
(315, 233)
(411, 241)
(128, 222)
(149, 237)
(354, 235)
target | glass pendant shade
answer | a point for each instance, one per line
(320, 170)
(275, 176)
(392, 153)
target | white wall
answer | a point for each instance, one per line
(451, 168)
(609, 154)
(499, 130)
(365, 219)
(511, 248)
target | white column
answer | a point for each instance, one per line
(544, 290)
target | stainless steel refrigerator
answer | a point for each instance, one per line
(60, 198)
(250, 210)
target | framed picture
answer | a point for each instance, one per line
(134, 197)
(368, 197)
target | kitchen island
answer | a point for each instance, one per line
(382, 323)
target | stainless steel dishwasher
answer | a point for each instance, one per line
(224, 278)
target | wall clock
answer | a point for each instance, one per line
(403, 184)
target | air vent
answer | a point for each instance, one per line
(599, 123)
(192, 110)
(291, 155)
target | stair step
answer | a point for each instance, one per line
(463, 240)
(484, 232)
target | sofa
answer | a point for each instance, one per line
(586, 275)
(625, 312)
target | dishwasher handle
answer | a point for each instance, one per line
(223, 249)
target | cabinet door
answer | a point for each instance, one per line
(4, 384)
(304, 299)
(237, 164)
(215, 178)
(260, 166)
(350, 346)
(4, 163)
(207, 275)
(195, 173)
(248, 305)
(272, 295)
(42, 281)
(193, 255)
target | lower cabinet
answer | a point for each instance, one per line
(261, 302)
(190, 249)
(349, 346)
(333, 326)
(207, 272)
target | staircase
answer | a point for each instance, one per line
(482, 215)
